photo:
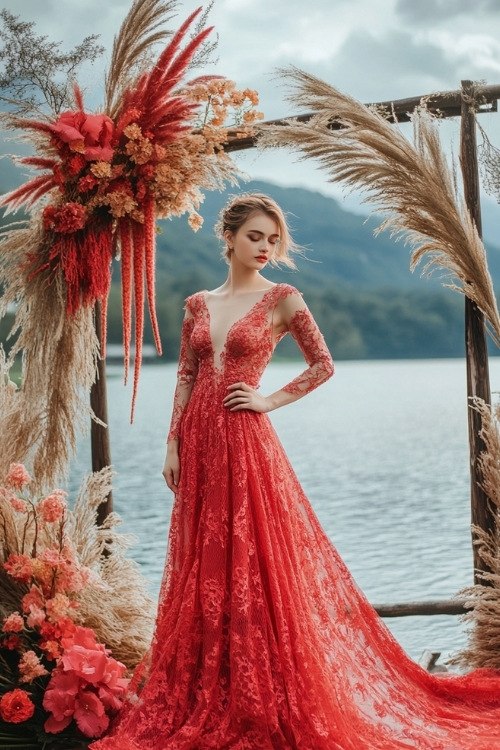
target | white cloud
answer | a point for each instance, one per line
(372, 49)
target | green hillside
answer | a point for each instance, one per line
(359, 287)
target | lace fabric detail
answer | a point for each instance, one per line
(186, 376)
(306, 333)
(263, 641)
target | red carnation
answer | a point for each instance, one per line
(16, 706)
(68, 218)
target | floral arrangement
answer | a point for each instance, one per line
(104, 179)
(59, 684)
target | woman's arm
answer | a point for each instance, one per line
(293, 315)
(186, 375)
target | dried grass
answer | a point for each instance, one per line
(40, 421)
(132, 47)
(483, 600)
(115, 602)
(412, 185)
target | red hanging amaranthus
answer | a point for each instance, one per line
(109, 180)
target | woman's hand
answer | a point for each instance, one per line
(172, 467)
(242, 396)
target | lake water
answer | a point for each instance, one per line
(382, 453)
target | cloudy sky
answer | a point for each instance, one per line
(373, 49)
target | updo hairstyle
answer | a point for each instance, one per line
(241, 208)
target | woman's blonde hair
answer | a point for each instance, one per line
(241, 208)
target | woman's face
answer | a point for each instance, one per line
(255, 241)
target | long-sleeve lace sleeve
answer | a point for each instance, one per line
(309, 338)
(186, 375)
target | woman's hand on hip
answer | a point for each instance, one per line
(242, 396)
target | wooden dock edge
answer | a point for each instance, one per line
(432, 607)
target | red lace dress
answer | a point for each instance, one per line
(263, 640)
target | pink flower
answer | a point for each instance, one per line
(17, 476)
(52, 557)
(58, 606)
(87, 663)
(30, 667)
(54, 726)
(18, 504)
(16, 706)
(87, 183)
(33, 597)
(90, 135)
(59, 700)
(90, 715)
(80, 636)
(52, 507)
(36, 616)
(14, 623)
(19, 567)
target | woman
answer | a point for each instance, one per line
(263, 641)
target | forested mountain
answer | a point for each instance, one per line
(359, 286)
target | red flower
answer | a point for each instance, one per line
(90, 715)
(87, 183)
(75, 164)
(90, 135)
(68, 218)
(59, 700)
(12, 643)
(16, 706)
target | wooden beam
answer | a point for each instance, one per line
(99, 435)
(443, 104)
(478, 380)
(431, 607)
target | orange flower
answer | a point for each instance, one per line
(101, 169)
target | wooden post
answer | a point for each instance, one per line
(478, 382)
(99, 435)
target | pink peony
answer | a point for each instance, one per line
(17, 476)
(90, 715)
(30, 667)
(14, 623)
(52, 507)
(90, 135)
(16, 706)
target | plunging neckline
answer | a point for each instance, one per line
(220, 357)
